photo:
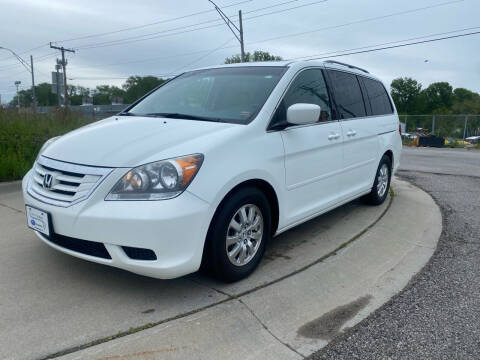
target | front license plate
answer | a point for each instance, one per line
(38, 220)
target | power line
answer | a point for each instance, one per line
(358, 50)
(201, 57)
(168, 32)
(381, 17)
(39, 59)
(318, 57)
(303, 33)
(151, 24)
(392, 42)
(120, 42)
(27, 51)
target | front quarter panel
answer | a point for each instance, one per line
(248, 156)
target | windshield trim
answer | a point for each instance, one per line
(126, 111)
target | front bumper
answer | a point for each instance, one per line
(175, 229)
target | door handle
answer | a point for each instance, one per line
(333, 136)
(351, 133)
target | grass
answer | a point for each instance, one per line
(23, 134)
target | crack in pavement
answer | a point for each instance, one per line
(269, 331)
(12, 208)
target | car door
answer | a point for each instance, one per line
(313, 153)
(360, 145)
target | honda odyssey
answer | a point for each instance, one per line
(209, 166)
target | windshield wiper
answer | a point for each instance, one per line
(183, 116)
(127, 114)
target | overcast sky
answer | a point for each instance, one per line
(160, 49)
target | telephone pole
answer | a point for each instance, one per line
(34, 98)
(236, 30)
(64, 66)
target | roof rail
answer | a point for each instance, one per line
(347, 65)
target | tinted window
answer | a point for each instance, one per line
(378, 97)
(233, 95)
(348, 95)
(309, 87)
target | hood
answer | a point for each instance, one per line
(131, 141)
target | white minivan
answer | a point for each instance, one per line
(208, 167)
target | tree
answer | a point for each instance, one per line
(439, 96)
(405, 93)
(43, 93)
(105, 94)
(137, 86)
(257, 56)
(76, 94)
(461, 94)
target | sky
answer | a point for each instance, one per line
(116, 39)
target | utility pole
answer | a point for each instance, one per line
(242, 45)
(17, 83)
(34, 98)
(236, 30)
(64, 65)
(465, 127)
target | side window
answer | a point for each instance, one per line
(309, 87)
(348, 95)
(378, 97)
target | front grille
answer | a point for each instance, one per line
(69, 183)
(139, 253)
(86, 247)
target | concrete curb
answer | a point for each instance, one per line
(298, 313)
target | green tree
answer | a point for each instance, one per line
(405, 93)
(76, 94)
(105, 94)
(43, 93)
(255, 57)
(461, 94)
(137, 86)
(439, 96)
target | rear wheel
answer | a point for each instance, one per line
(379, 191)
(237, 235)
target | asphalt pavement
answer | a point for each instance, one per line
(437, 316)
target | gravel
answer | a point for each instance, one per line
(437, 316)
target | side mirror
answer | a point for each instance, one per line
(302, 114)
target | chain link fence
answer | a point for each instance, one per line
(96, 112)
(458, 127)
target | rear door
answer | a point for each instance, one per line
(359, 131)
(313, 153)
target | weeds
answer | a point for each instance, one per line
(23, 134)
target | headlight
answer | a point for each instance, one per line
(160, 180)
(47, 144)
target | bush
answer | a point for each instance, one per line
(23, 134)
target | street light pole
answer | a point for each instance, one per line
(29, 68)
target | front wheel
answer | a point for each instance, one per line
(238, 233)
(379, 191)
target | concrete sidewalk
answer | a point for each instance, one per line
(317, 279)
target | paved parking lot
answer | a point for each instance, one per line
(353, 258)
(438, 315)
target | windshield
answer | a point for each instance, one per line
(232, 95)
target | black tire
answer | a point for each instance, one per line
(374, 198)
(216, 260)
